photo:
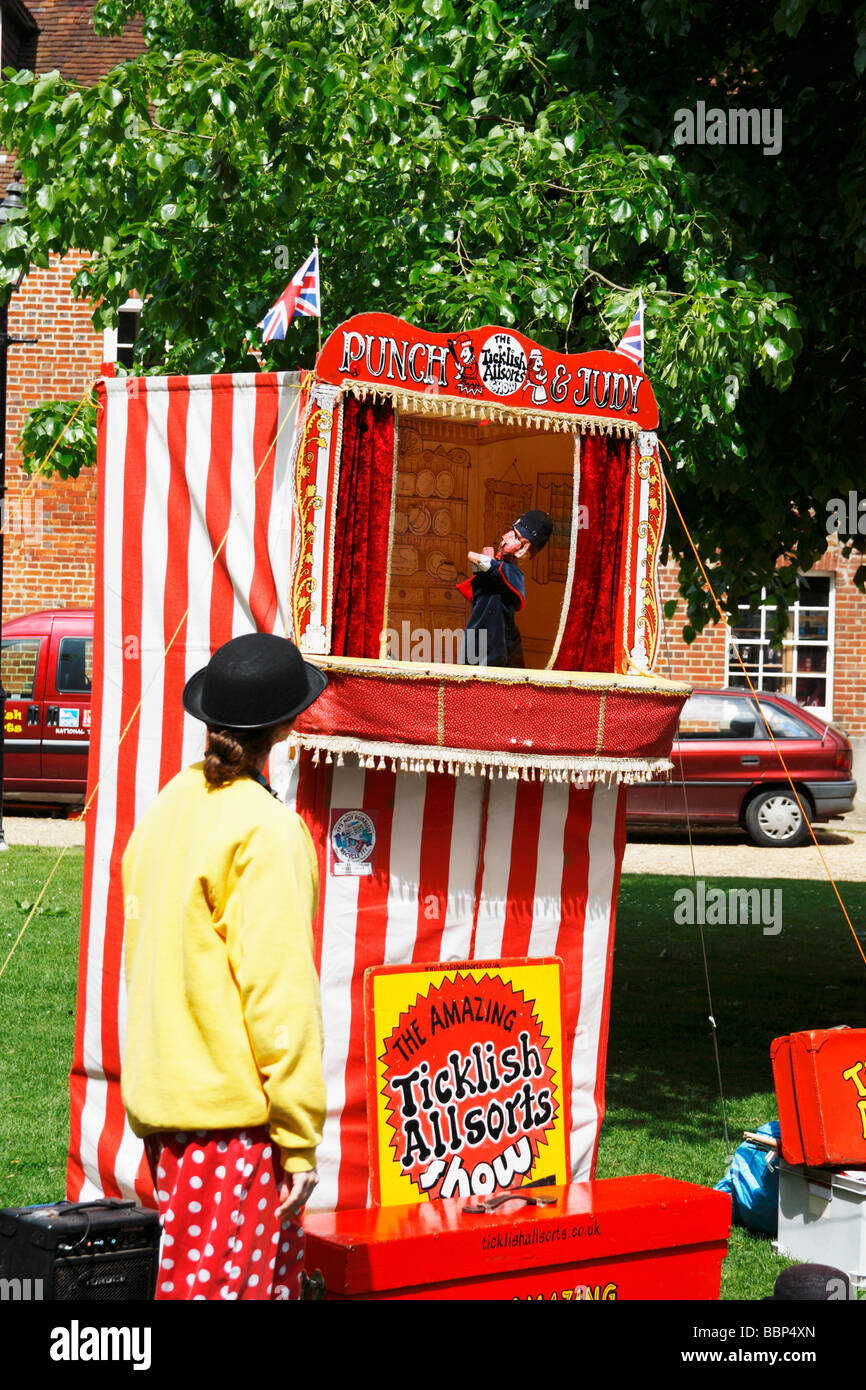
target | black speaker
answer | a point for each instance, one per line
(102, 1251)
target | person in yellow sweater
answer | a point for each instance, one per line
(222, 1057)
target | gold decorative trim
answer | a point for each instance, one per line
(306, 502)
(440, 717)
(334, 463)
(579, 769)
(655, 525)
(590, 681)
(572, 556)
(600, 739)
(427, 403)
(627, 594)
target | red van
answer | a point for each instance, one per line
(47, 667)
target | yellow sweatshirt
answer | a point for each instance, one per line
(224, 1021)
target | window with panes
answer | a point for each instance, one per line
(802, 668)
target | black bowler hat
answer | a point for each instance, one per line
(253, 682)
(535, 527)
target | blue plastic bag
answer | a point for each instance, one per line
(753, 1182)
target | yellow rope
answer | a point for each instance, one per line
(33, 908)
(760, 707)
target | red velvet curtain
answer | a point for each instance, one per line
(588, 640)
(363, 520)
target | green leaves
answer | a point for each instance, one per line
(44, 427)
(468, 161)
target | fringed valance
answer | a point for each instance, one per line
(456, 407)
(581, 771)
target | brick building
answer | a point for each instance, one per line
(49, 538)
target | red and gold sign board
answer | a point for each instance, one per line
(820, 1079)
(467, 1091)
(499, 368)
(644, 1237)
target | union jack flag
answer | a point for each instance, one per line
(301, 297)
(632, 343)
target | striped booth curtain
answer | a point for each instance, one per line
(194, 547)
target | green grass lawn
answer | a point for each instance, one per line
(37, 1021)
(663, 1109)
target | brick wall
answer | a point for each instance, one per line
(703, 663)
(50, 525)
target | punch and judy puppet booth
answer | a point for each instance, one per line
(469, 821)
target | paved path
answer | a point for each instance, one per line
(45, 831)
(717, 853)
(731, 854)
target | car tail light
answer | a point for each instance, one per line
(843, 760)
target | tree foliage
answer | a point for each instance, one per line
(467, 162)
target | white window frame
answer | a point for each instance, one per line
(732, 665)
(109, 335)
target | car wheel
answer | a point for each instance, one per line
(774, 819)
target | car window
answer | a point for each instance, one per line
(75, 665)
(783, 723)
(18, 667)
(717, 717)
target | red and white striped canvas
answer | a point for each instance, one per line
(195, 516)
(465, 867)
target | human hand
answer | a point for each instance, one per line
(295, 1191)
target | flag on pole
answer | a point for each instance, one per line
(632, 343)
(301, 297)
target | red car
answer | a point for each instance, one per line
(47, 661)
(727, 771)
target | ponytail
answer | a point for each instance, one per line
(231, 754)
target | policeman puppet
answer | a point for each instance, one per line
(497, 591)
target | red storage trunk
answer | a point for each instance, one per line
(820, 1080)
(646, 1237)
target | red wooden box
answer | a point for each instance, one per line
(820, 1080)
(620, 1238)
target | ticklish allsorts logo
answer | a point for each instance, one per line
(470, 1094)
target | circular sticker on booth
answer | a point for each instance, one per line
(502, 364)
(353, 839)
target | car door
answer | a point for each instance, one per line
(714, 758)
(800, 745)
(24, 661)
(66, 742)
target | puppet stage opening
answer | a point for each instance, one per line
(459, 487)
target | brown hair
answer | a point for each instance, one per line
(232, 753)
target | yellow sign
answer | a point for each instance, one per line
(467, 1086)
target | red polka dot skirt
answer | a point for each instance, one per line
(218, 1195)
